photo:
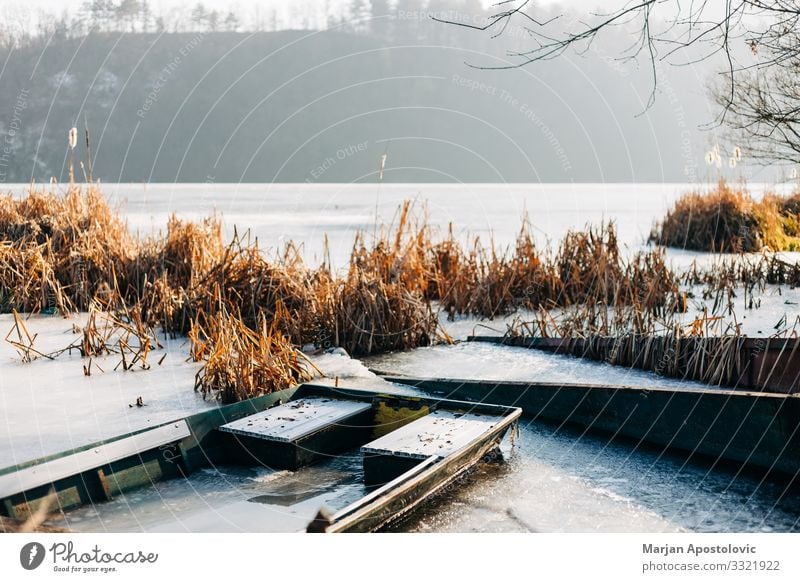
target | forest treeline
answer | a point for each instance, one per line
(212, 96)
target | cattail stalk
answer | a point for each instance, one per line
(72, 141)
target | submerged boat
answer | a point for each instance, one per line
(759, 431)
(410, 450)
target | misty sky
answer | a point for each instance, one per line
(588, 108)
(246, 8)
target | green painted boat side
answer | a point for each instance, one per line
(755, 429)
(201, 448)
(205, 446)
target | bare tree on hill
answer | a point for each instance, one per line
(757, 40)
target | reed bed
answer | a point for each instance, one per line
(58, 252)
(240, 362)
(489, 283)
(705, 348)
(244, 313)
(631, 314)
(588, 268)
(728, 219)
(247, 315)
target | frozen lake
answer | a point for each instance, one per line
(554, 480)
(306, 213)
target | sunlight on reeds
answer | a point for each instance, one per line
(727, 219)
(248, 315)
(240, 362)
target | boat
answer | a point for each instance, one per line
(411, 449)
(759, 431)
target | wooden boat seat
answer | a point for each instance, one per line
(437, 434)
(297, 419)
(300, 432)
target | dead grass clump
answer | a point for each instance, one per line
(536, 280)
(491, 294)
(588, 265)
(451, 274)
(28, 281)
(790, 205)
(244, 281)
(373, 316)
(59, 250)
(790, 212)
(163, 305)
(727, 219)
(381, 305)
(187, 253)
(159, 277)
(722, 220)
(401, 254)
(257, 287)
(491, 284)
(240, 362)
(488, 283)
(650, 286)
(383, 302)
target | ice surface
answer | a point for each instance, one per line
(484, 361)
(553, 482)
(557, 480)
(229, 499)
(50, 406)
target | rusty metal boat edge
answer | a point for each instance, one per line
(98, 472)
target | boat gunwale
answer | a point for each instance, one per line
(222, 409)
(413, 380)
(405, 484)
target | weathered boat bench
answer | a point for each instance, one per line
(93, 474)
(299, 432)
(437, 435)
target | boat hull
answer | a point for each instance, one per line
(753, 429)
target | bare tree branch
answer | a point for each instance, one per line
(759, 96)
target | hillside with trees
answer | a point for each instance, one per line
(218, 96)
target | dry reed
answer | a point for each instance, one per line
(728, 219)
(246, 315)
(240, 362)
